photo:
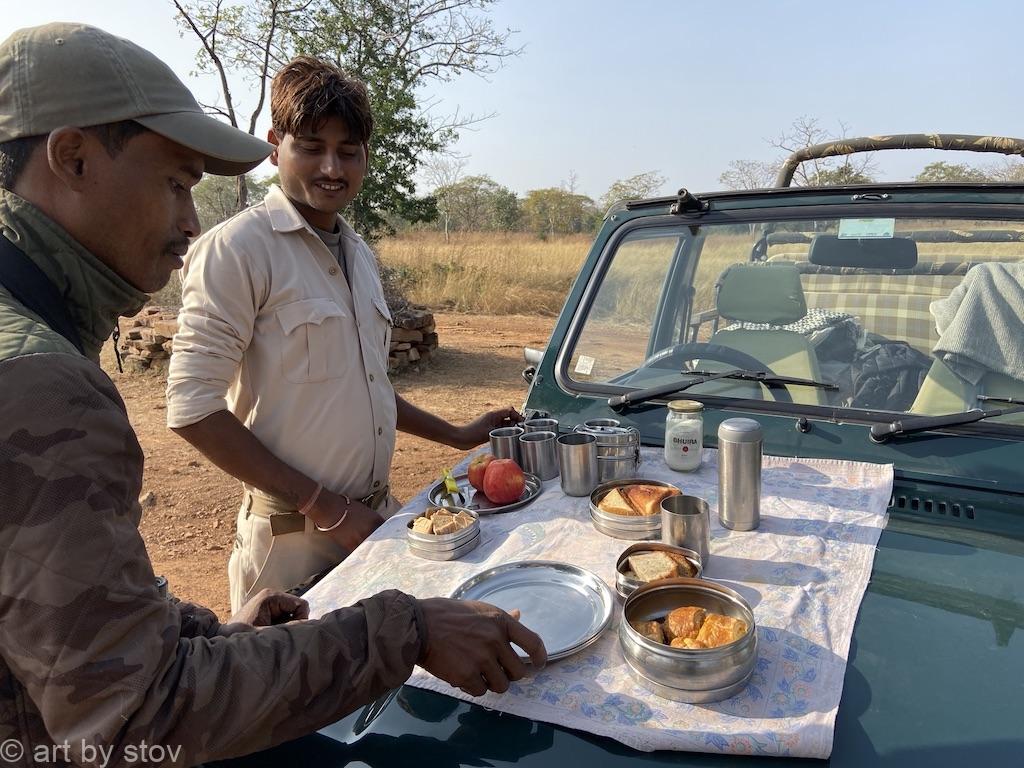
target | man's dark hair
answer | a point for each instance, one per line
(307, 92)
(15, 154)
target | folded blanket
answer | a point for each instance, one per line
(981, 323)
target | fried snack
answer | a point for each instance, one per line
(651, 566)
(720, 630)
(423, 525)
(687, 642)
(685, 622)
(649, 629)
(683, 566)
(444, 523)
(614, 503)
(462, 520)
(646, 499)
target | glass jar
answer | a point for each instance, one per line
(684, 435)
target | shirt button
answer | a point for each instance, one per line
(376, 483)
(371, 377)
(380, 431)
(332, 271)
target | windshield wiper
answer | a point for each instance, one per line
(620, 402)
(882, 432)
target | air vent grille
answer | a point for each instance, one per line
(932, 507)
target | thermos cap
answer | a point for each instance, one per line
(740, 431)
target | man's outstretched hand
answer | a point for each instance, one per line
(469, 645)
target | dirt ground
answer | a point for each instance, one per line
(188, 524)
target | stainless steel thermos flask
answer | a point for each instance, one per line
(739, 474)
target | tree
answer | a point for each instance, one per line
(943, 171)
(479, 204)
(1006, 169)
(443, 171)
(835, 177)
(216, 197)
(806, 132)
(637, 187)
(395, 46)
(555, 211)
(749, 174)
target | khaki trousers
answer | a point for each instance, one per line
(261, 560)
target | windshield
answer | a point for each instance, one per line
(906, 315)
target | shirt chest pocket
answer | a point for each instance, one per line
(314, 343)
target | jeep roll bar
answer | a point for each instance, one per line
(946, 141)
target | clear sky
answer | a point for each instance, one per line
(606, 90)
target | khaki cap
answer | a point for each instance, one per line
(73, 74)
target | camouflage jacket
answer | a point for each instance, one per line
(93, 661)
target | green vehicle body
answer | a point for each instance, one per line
(936, 666)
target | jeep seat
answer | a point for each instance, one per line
(768, 296)
(944, 392)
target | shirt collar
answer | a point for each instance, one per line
(284, 217)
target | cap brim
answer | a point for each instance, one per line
(227, 150)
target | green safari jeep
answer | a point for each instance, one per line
(824, 313)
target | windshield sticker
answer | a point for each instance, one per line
(864, 229)
(585, 365)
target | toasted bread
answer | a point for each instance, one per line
(721, 630)
(684, 566)
(684, 622)
(614, 503)
(423, 525)
(649, 629)
(651, 566)
(646, 499)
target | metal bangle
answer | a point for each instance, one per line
(340, 520)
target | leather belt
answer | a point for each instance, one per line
(285, 518)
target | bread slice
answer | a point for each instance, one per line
(444, 524)
(646, 499)
(614, 503)
(649, 629)
(651, 566)
(423, 525)
(683, 566)
(462, 520)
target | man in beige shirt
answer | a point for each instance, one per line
(279, 371)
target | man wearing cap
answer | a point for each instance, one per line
(280, 366)
(100, 145)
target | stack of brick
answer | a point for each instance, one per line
(146, 338)
(413, 339)
(146, 342)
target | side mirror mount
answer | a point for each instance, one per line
(533, 358)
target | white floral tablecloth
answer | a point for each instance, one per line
(804, 572)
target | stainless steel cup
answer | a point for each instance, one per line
(541, 425)
(577, 463)
(539, 456)
(505, 443)
(686, 522)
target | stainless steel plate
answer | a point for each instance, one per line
(569, 607)
(481, 504)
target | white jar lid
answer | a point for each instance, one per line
(685, 406)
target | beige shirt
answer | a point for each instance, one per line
(271, 330)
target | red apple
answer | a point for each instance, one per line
(503, 481)
(476, 470)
